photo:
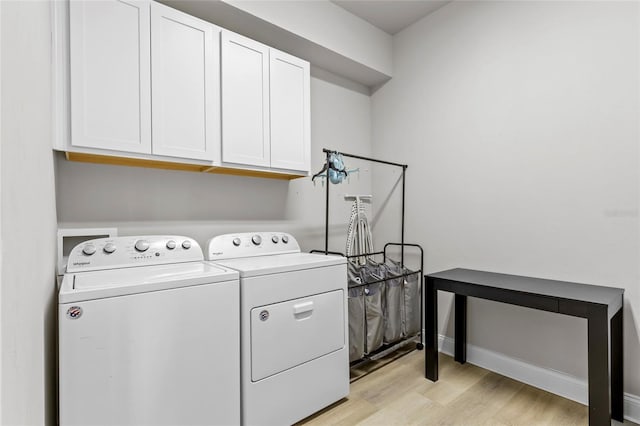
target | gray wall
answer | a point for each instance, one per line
(28, 224)
(519, 122)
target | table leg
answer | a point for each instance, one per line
(431, 330)
(460, 332)
(598, 365)
(617, 388)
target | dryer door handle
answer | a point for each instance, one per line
(302, 308)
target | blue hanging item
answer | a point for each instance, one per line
(337, 172)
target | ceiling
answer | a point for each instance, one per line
(391, 16)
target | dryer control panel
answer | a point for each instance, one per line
(124, 252)
(250, 244)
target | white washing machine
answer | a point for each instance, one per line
(148, 335)
(294, 331)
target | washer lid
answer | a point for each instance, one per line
(279, 263)
(119, 282)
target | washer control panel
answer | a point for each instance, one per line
(123, 252)
(250, 244)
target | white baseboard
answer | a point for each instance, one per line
(547, 379)
(632, 407)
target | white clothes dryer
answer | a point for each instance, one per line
(148, 335)
(294, 331)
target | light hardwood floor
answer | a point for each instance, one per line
(398, 394)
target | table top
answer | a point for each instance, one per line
(545, 287)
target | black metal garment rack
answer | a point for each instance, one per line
(386, 349)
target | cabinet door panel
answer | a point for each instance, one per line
(110, 75)
(185, 76)
(289, 102)
(245, 101)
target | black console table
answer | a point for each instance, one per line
(601, 306)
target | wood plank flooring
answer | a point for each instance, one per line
(398, 394)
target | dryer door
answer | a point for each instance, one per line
(287, 334)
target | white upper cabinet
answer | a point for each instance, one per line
(185, 64)
(149, 82)
(290, 112)
(110, 75)
(245, 101)
(265, 106)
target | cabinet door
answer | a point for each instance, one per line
(185, 79)
(290, 112)
(245, 101)
(110, 77)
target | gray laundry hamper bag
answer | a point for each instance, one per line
(355, 308)
(374, 297)
(394, 312)
(411, 319)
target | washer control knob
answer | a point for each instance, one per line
(186, 244)
(256, 240)
(171, 244)
(142, 245)
(89, 249)
(109, 248)
(285, 239)
(236, 242)
(275, 239)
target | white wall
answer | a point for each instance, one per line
(349, 46)
(519, 122)
(347, 34)
(28, 221)
(1, 247)
(512, 167)
(139, 201)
